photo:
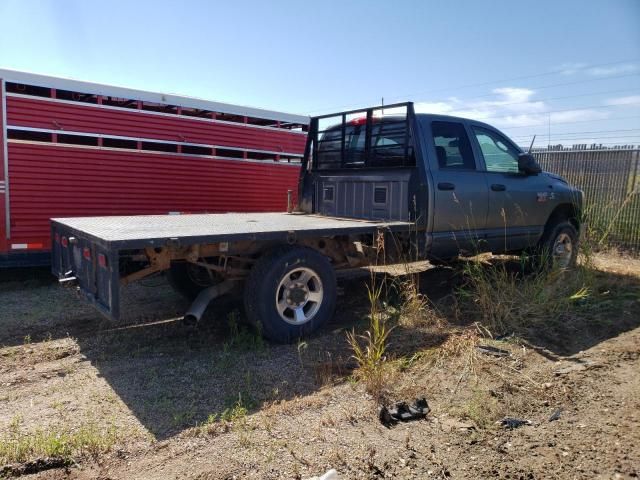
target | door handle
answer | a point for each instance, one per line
(497, 187)
(446, 186)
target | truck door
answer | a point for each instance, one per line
(460, 190)
(517, 202)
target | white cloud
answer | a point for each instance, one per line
(571, 68)
(613, 70)
(508, 107)
(630, 101)
(512, 94)
(504, 101)
(604, 71)
(579, 115)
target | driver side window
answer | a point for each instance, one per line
(499, 155)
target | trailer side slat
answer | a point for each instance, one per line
(40, 113)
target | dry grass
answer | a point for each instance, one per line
(415, 309)
(509, 299)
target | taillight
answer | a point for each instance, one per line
(102, 260)
(65, 242)
(86, 253)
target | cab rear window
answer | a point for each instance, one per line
(389, 145)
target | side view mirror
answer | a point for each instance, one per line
(528, 165)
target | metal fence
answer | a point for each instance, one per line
(610, 179)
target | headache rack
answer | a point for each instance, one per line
(364, 138)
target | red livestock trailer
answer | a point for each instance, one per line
(71, 148)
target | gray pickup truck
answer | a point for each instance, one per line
(428, 187)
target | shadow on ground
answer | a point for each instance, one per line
(172, 377)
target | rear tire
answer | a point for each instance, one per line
(558, 247)
(290, 293)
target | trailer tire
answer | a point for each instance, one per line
(290, 293)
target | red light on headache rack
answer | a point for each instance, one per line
(102, 260)
(64, 242)
(86, 253)
(363, 120)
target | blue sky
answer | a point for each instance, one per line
(517, 65)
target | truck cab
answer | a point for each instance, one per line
(465, 184)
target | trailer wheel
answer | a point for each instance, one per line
(290, 293)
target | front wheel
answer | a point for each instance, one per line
(559, 247)
(290, 293)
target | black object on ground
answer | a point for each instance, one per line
(512, 423)
(506, 336)
(493, 351)
(403, 412)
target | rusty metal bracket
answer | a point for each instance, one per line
(159, 260)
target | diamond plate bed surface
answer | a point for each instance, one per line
(141, 227)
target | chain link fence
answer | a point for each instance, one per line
(610, 179)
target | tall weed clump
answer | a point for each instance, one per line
(369, 348)
(511, 296)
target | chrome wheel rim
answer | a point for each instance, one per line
(562, 250)
(299, 296)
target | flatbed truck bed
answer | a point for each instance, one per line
(92, 250)
(141, 231)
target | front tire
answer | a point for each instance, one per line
(290, 293)
(559, 246)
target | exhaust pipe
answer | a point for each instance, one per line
(200, 304)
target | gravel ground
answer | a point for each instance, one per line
(298, 412)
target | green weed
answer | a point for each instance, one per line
(369, 349)
(17, 445)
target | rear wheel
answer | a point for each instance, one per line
(290, 293)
